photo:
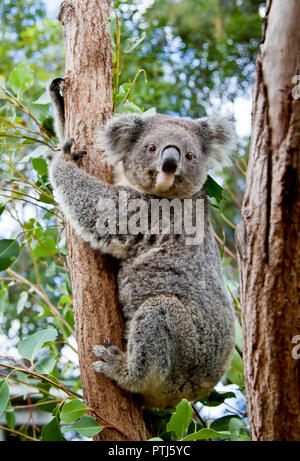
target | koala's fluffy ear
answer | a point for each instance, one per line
(219, 139)
(119, 134)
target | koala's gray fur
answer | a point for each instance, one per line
(180, 331)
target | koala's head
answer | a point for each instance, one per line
(164, 155)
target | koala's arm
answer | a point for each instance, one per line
(88, 204)
(58, 107)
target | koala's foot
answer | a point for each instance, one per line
(70, 153)
(113, 361)
(146, 366)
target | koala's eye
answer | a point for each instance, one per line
(152, 148)
(189, 156)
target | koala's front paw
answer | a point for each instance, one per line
(112, 360)
(55, 85)
(70, 153)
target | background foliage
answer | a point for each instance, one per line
(179, 57)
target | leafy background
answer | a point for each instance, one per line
(179, 57)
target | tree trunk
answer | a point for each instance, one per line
(268, 237)
(87, 92)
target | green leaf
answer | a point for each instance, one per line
(51, 270)
(2, 208)
(238, 335)
(46, 365)
(236, 371)
(221, 424)
(22, 301)
(213, 189)
(4, 395)
(21, 78)
(40, 111)
(149, 112)
(86, 426)
(181, 419)
(40, 165)
(51, 432)
(64, 299)
(122, 91)
(216, 398)
(36, 153)
(23, 389)
(41, 249)
(10, 417)
(44, 98)
(30, 346)
(235, 425)
(72, 411)
(9, 251)
(48, 124)
(46, 405)
(130, 107)
(205, 434)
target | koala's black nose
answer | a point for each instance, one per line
(170, 159)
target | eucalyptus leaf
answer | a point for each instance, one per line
(45, 248)
(51, 270)
(86, 426)
(149, 112)
(40, 165)
(44, 98)
(21, 78)
(22, 301)
(130, 107)
(236, 425)
(46, 365)
(214, 189)
(235, 373)
(38, 152)
(238, 335)
(9, 251)
(205, 434)
(181, 419)
(4, 395)
(30, 346)
(10, 417)
(71, 411)
(51, 432)
(216, 398)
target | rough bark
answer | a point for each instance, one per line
(268, 237)
(87, 92)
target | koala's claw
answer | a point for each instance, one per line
(107, 353)
(111, 360)
(56, 84)
(107, 342)
(75, 154)
(67, 147)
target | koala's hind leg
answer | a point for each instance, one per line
(151, 345)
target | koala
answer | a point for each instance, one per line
(179, 323)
